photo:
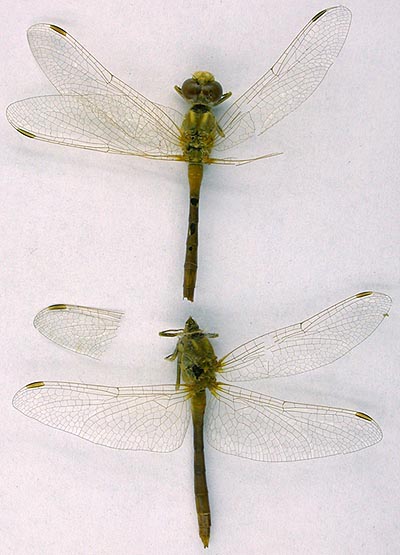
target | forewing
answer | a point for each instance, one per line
(290, 81)
(254, 426)
(66, 63)
(96, 110)
(315, 342)
(82, 329)
(147, 418)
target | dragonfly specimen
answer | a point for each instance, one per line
(95, 110)
(236, 421)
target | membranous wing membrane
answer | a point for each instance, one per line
(94, 109)
(254, 426)
(84, 330)
(315, 342)
(238, 421)
(97, 111)
(148, 418)
(289, 82)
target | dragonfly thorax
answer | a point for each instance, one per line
(198, 132)
(197, 364)
(196, 358)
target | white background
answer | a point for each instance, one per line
(279, 240)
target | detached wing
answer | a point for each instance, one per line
(148, 418)
(94, 110)
(255, 426)
(315, 342)
(81, 329)
(290, 81)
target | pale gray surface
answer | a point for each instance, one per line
(279, 240)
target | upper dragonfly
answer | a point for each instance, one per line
(236, 420)
(97, 111)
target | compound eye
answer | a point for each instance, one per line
(212, 91)
(191, 89)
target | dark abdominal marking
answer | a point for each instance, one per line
(192, 229)
(194, 201)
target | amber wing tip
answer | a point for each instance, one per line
(33, 385)
(26, 133)
(57, 307)
(364, 416)
(319, 14)
(59, 30)
(364, 294)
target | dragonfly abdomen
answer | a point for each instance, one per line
(195, 174)
(198, 404)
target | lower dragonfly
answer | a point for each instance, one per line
(97, 111)
(237, 421)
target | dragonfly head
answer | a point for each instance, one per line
(191, 326)
(201, 88)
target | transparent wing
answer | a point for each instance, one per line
(315, 342)
(255, 426)
(95, 110)
(290, 81)
(82, 329)
(147, 418)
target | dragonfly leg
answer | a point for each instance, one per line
(178, 376)
(179, 91)
(173, 355)
(224, 97)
